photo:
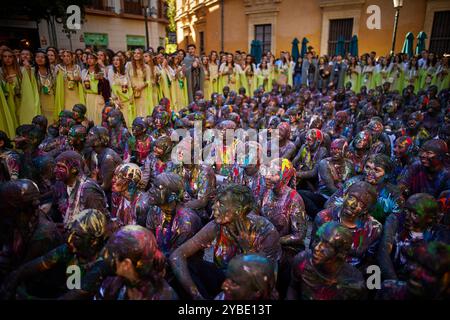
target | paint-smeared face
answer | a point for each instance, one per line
(429, 159)
(236, 286)
(374, 174)
(362, 140)
(338, 149)
(61, 171)
(114, 121)
(313, 139)
(323, 252)
(414, 219)
(272, 175)
(157, 194)
(119, 183)
(401, 148)
(353, 206)
(138, 130)
(224, 210)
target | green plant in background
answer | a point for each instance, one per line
(171, 28)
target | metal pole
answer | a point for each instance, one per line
(394, 35)
(146, 27)
(222, 25)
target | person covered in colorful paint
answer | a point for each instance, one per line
(335, 170)
(27, 140)
(380, 140)
(53, 147)
(118, 132)
(199, 179)
(104, 160)
(323, 273)
(171, 222)
(359, 150)
(287, 147)
(139, 145)
(429, 174)
(74, 191)
(10, 162)
(416, 224)
(377, 171)
(156, 162)
(403, 157)
(284, 207)
(249, 277)
(428, 275)
(26, 232)
(139, 267)
(87, 236)
(354, 215)
(129, 203)
(233, 231)
(162, 125)
(247, 169)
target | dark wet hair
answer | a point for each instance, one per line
(241, 195)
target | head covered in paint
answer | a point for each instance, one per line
(421, 211)
(127, 177)
(279, 174)
(335, 242)
(133, 250)
(167, 188)
(233, 202)
(250, 277)
(358, 200)
(68, 164)
(429, 266)
(378, 168)
(87, 233)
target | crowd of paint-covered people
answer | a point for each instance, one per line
(87, 176)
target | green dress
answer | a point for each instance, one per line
(7, 117)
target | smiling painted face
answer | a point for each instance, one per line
(420, 211)
(374, 174)
(358, 200)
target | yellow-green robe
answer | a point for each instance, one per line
(355, 78)
(143, 101)
(412, 77)
(7, 117)
(94, 101)
(178, 89)
(368, 77)
(12, 92)
(214, 77)
(121, 90)
(30, 105)
(264, 78)
(230, 78)
(396, 78)
(68, 92)
(442, 78)
(46, 87)
(164, 83)
(249, 80)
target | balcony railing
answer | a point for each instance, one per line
(132, 7)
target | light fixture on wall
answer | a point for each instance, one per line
(398, 4)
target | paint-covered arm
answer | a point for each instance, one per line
(178, 259)
(386, 246)
(298, 226)
(325, 175)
